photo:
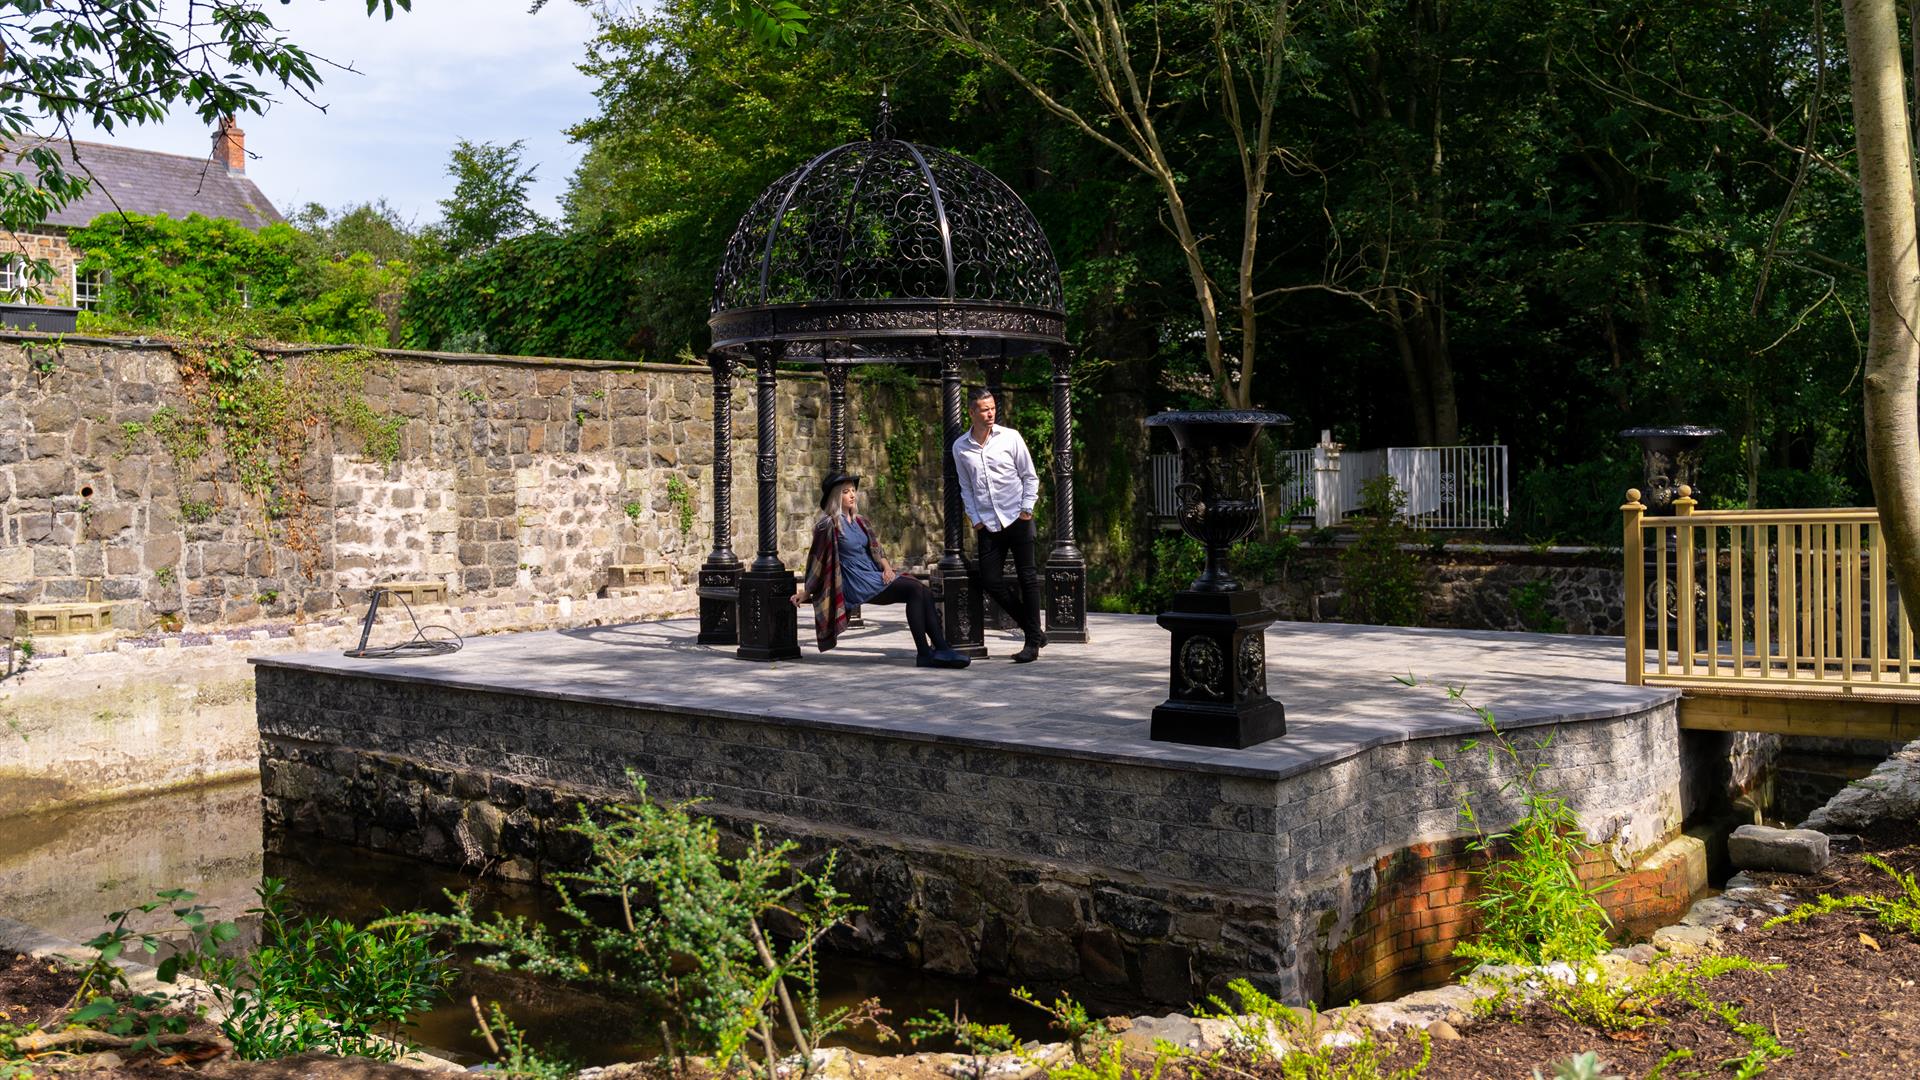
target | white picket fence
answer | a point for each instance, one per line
(1446, 487)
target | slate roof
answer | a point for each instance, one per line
(150, 182)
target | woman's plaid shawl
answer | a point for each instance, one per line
(823, 578)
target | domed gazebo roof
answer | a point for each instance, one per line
(878, 250)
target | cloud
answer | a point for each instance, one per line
(483, 70)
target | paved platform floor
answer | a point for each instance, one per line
(1338, 683)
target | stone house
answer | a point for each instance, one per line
(137, 182)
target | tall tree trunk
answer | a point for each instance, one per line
(1893, 280)
(1403, 316)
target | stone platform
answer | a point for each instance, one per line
(1011, 820)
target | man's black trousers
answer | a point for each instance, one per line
(1023, 605)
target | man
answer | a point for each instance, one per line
(998, 487)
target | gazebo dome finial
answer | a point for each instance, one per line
(883, 125)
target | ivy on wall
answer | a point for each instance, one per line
(264, 412)
(165, 272)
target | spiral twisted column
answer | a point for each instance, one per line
(719, 589)
(768, 623)
(960, 593)
(1066, 567)
(837, 415)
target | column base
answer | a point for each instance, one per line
(1066, 599)
(719, 594)
(1217, 675)
(769, 623)
(961, 611)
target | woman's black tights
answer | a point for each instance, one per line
(923, 615)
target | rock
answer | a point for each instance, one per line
(1796, 851)
(1891, 792)
(945, 950)
(1054, 906)
(1102, 958)
(1044, 956)
(1685, 941)
(1642, 953)
(1147, 1030)
(1454, 1000)
(1166, 973)
(1441, 1031)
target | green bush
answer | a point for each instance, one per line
(573, 293)
(1573, 504)
(311, 985)
(1533, 907)
(662, 915)
(1381, 582)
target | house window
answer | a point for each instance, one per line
(246, 294)
(14, 279)
(89, 289)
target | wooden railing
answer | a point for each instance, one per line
(1799, 601)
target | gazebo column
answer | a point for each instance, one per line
(997, 617)
(767, 616)
(960, 594)
(1066, 568)
(719, 589)
(837, 439)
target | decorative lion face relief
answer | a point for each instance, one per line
(1253, 664)
(1203, 667)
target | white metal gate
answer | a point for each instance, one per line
(1446, 487)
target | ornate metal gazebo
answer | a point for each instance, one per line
(881, 252)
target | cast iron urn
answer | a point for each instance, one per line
(1672, 459)
(1218, 678)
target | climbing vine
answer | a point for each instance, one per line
(681, 497)
(889, 393)
(261, 408)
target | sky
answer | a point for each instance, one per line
(481, 70)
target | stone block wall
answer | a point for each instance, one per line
(517, 480)
(1573, 593)
(1116, 877)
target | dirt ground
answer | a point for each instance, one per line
(1846, 1004)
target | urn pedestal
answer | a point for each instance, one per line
(1218, 677)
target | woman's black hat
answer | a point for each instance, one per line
(834, 480)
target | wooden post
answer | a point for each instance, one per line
(1635, 606)
(1683, 593)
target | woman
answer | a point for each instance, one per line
(845, 568)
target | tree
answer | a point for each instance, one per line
(115, 63)
(768, 21)
(1893, 278)
(1244, 43)
(373, 227)
(489, 200)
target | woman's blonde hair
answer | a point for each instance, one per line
(834, 513)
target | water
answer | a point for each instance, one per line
(63, 873)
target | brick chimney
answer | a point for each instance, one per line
(230, 147)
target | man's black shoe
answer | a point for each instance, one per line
(941, 658)
(1028, 653)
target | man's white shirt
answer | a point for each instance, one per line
(997, 479)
